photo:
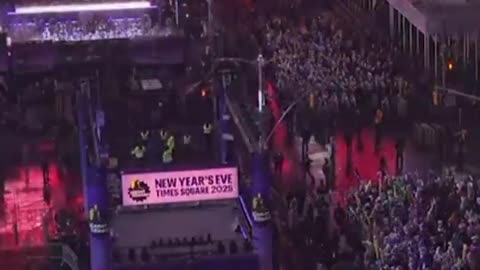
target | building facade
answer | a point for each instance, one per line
(442, 34)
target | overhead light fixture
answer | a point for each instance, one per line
(81, 7)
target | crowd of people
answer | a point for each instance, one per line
(77, 30)
(409, 221)
(343, 74)
(420, 222)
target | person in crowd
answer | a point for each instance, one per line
(277, 163)
(47, 192)
(144, 136)
(400, 152)
(378, 128)
(138, 153)
(461, 137)
(186, 146)
(45, 169)
(167, 156)
(26, 160)
(170, 146)
(307, 166)
(306, 136)
(207, 134)
(327, 172)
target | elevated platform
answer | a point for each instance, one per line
(140, 227)
(46, 56)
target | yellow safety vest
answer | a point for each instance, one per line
(167, 156)
(144, 135)
(187, 139)
(138, 152)
(91, 214)
(207, 128)
(171, 142)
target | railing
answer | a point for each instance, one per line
(248, 221)
(247, 135)
(69, 257)
(30, 256)
(169, 252)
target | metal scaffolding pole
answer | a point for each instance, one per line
(177, 13)
(404, 33)
(399, 27)
(435, 56)
(391, 13)
(417, 42)
(410, 38)
(426, 51)
(476, 56)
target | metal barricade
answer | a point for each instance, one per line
(69, 257)
(24, 225)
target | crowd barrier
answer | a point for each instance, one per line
(55, 253)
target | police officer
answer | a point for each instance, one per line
(163, 141)
(185, 146)
(187, 140)
(167, 156)
(207, 133)
(94, 214)
(306, 135)
(138, 152)
(163, 134)
(170, 142)
(144, 135)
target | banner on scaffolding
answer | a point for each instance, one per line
(97, 222)
(179, 186)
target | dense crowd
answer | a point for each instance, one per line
(316, 55)
(420, 222)
(76, 30)
(411, 221)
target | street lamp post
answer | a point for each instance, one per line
(261, 100)
(210, 18)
